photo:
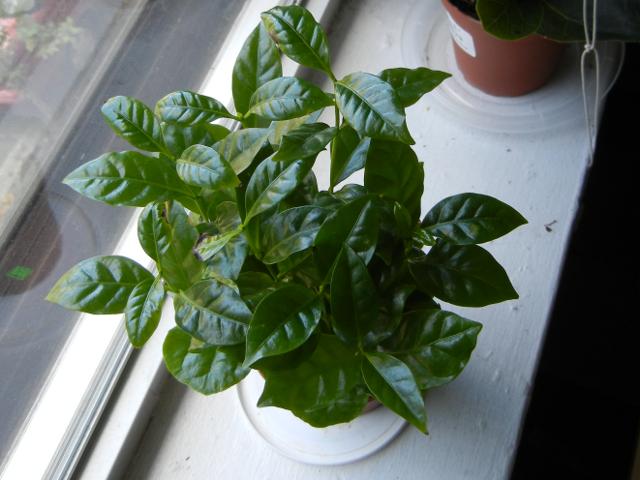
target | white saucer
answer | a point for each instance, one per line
(426, 42)
(335, 445)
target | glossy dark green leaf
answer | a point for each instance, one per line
(229, 260)
(283, 321)
(325, 389)
(355, 224)
(470, 218)
(509, 19)
(272, 182)
(127, 178)
(304, 194)
(299, 36)
(178, 137)
(205, 368)
(278, 129)
(436, 345)
(350, 192)
(142, 313)
(239, 148)
(290, 231)
(393, 384)
(98, 285)
(209, 245)
(464, 275)
(305, 141)
(256, 64)
(286, 98)
(167, 236)
(393, 171)
(372, 108)
(348, 154)
(411, 84)
(354, 299)
(254, 286)
(135, 122)
(190, 108)
(203, 167)
(213, 313)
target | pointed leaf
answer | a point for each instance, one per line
(239, 148)
(283, 321)
(348, 154)
(142, 313)
(299, 36)
(410, 85)
(203, 167)
(510, 20)
(209, 245)
(272, 182)
(470, 218)
(254, 286)
(286, 98)
(465, 275)
(372, 108)
(291, 231)
(257, 63)
(135, 122)
(213, 313)
(354, 299)
(190, 108)
(355, 224)
(323, 390)
(435, 345)
(278, 129)
(99, 285)
(229, 260)
(393, 171)
(393, 384)
(178, 138)
(127, 178)
(205, 368)
(305, 141)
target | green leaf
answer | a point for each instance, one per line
(323, 390)
(411, 84)
(256, 64)
(372, 108)
(213, 313)
(509, 19)
(190, 108)
(205, 368)
(278, 129)
(142, 313)
(436, 345)
(348, 154)
(167, 236)
(228, 261)
(254, 286)
(393, 384)
(135, 122)
(272, 182)
(203, 167)
(470, 218)
(208, 246)
(99, 285)
(354, 299)
(464, 275)
(286, 98)
(239, 148)
(305, 141)
(178, 138)
(290, 231)
(299, 36)
(393, 171)
(127, 178)
(283, 321)
(355, 224)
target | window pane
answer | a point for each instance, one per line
(59, 61)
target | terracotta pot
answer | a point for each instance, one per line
(498, 67)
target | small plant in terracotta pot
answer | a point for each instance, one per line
(330, 294)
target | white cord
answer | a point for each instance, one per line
(591, 118)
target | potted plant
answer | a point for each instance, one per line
(330, 294)
(510, 47)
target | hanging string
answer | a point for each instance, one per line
(591, 117)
